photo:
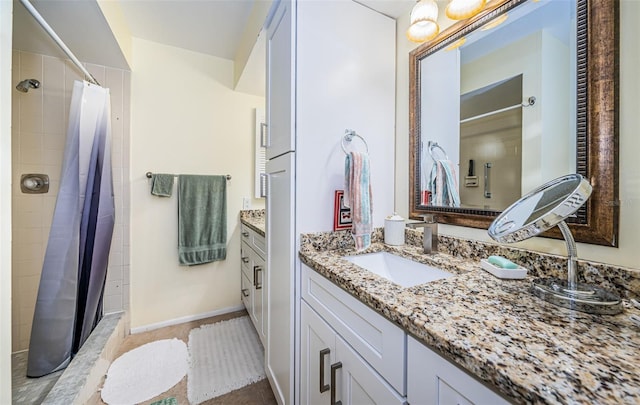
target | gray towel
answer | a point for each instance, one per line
(202, 219)
(162, 184)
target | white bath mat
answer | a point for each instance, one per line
(145, 372)
(223, 357)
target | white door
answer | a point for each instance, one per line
(317, 353)
(280, 282)
(432, 380)
(279, 82)
(359, 384)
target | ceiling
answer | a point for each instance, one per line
(80, 24)
(212, 27)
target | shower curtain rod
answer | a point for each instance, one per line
(88, 76)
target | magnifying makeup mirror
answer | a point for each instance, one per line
(542, 209)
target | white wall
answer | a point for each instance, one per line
(627, 254)
(521, 57)
(346, 82)
(6, 23)
(185, 119)
(440, 110)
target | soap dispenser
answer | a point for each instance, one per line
(394, 230)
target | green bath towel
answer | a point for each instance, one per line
(162, 184)
(202, 219)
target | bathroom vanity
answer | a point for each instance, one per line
(468, 338)
(253, 276)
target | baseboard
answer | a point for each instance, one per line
(183, 319)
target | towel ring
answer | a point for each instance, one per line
(348, 136)
(433, 145)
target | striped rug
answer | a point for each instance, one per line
(223, 357)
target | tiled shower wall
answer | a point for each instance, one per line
(39, 125)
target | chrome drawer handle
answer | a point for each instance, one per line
(245, 234)
(256, 270)
(245, 259)
(244, 292)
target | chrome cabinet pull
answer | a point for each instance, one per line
(323, 387)
(256, 270)
(334, 368)
(263, 131)
(263, 185)
(245, 259)
(245, 234)
(487, 186)
(254, 275)
(244, 292)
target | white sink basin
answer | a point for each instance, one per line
(396, 269)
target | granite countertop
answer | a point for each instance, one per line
(254, 219)
(528, 350)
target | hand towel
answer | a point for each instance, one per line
(202, 219)
(162, 184)
(358, 197)
(444, 184)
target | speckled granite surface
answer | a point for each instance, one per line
(254, 219)
(528, 350)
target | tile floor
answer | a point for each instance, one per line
(255, 394)
(29, 390)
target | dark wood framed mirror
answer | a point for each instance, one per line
(595, 127)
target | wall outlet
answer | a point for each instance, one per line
(246, 203)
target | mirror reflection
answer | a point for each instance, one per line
(498, 113)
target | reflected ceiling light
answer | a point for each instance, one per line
(456, 44)
(463, 9)
(495, 22)
(424, 17)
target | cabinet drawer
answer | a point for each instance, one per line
(246, 292)
(254, 240)
(245, 258)
(377, 340)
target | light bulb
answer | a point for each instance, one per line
(463, 9)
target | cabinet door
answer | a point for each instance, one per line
(259, 296)
(359, 384)
(279, 81)
(317, 353)
(433, 380)
(280, 276)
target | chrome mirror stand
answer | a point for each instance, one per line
(571, 294)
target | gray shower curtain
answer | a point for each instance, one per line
(69, 302)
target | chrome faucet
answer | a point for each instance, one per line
(430, 233)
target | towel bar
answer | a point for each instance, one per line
(149, 174)
(348, 136)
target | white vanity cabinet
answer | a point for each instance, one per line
(432, 380)
(343, 339)
(371, 359)
(333, 371)
(253, 277)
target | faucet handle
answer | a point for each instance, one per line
(429, 219)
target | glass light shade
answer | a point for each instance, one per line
(424, 10)
(463, 9)
(423, 30)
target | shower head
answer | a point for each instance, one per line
(27, 84)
